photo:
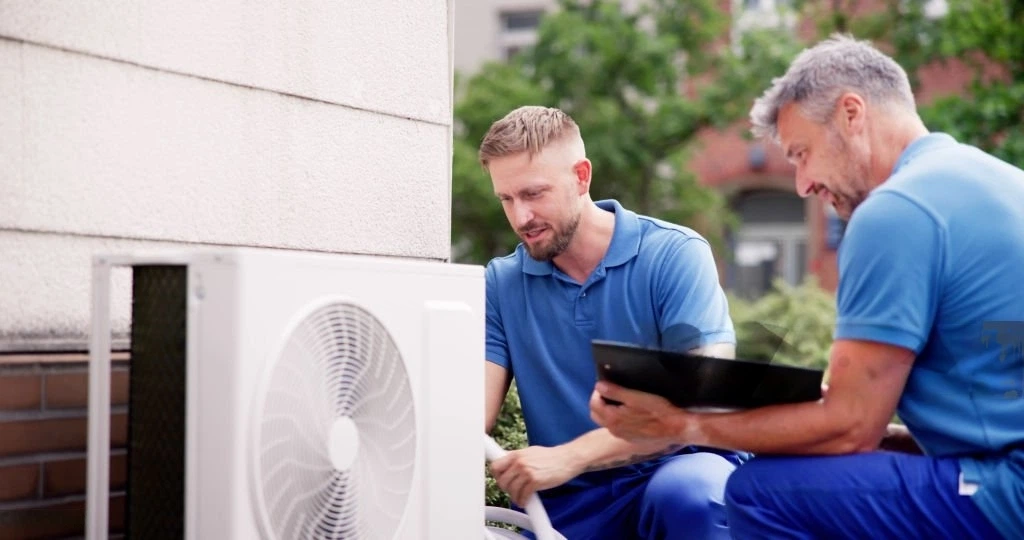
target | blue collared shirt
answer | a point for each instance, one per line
(933, 261)
(656, 281)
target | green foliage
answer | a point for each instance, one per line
(902, 26)
(741, 77)
(802, 316)
(622, 76)
(985, 34)
(510, 434)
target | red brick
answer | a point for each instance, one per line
(19, 482)
(118, 430)
(115, 517)
(44, 521)
(27, 358)
(55, 435)
(68, 476)
(19, 392)
(67, 390)
(56, 519)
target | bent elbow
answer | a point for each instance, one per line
(858, 439)
(861, 447)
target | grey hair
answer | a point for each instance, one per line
(821, 74)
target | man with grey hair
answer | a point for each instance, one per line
(590, 270)
(930, 326)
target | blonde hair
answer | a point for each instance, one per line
(528, 129)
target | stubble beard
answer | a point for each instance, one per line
(854, 177)
(562, 237)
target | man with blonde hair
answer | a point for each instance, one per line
(593, 270)
(930, 324)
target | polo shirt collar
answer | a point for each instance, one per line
(923, 144)
(624, 246)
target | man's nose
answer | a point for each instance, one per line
(523, 214)
(804, 184)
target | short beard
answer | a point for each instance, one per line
(562, 238)
(851, 199)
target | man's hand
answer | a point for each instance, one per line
(521, 473)
(641, 417)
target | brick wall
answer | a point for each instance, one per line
(43, 434)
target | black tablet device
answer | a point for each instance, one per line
(702, 382)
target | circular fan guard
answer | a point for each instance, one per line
(338, 368)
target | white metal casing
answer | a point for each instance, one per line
(241, 304)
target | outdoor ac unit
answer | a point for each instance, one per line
(285, 395)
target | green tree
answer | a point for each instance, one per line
(987, 34)
(630, 80)
(984, 34)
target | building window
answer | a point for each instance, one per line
(518, 31)
(770, 244)
(521, 20)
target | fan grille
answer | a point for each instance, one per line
(338, 364)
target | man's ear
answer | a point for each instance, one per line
(583, 170)
(852, 113)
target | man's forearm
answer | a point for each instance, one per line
(599, 449)
(804, 428)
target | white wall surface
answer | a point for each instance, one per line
(301, 125)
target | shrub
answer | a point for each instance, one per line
(803, 317)
(510, 434)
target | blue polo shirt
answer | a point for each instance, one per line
(655, 285)
(933, 261)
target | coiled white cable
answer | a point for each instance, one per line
(536, 518)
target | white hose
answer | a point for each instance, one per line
(507, 516)
(537, 520)
(495, 533)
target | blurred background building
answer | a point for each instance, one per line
(781, 236)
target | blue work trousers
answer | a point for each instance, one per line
(878, 495)
(683, 497)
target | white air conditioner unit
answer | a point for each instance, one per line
(284, 395)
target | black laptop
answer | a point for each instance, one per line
(693, 381)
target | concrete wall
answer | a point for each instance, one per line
(303, 125)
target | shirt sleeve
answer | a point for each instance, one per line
(497, 344)
(890, 264)
(693, 309)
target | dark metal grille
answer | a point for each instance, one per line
(155, 498)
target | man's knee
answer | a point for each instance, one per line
(760, 502)
(687, 492)
(741, 487)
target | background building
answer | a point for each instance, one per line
(781, 235)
